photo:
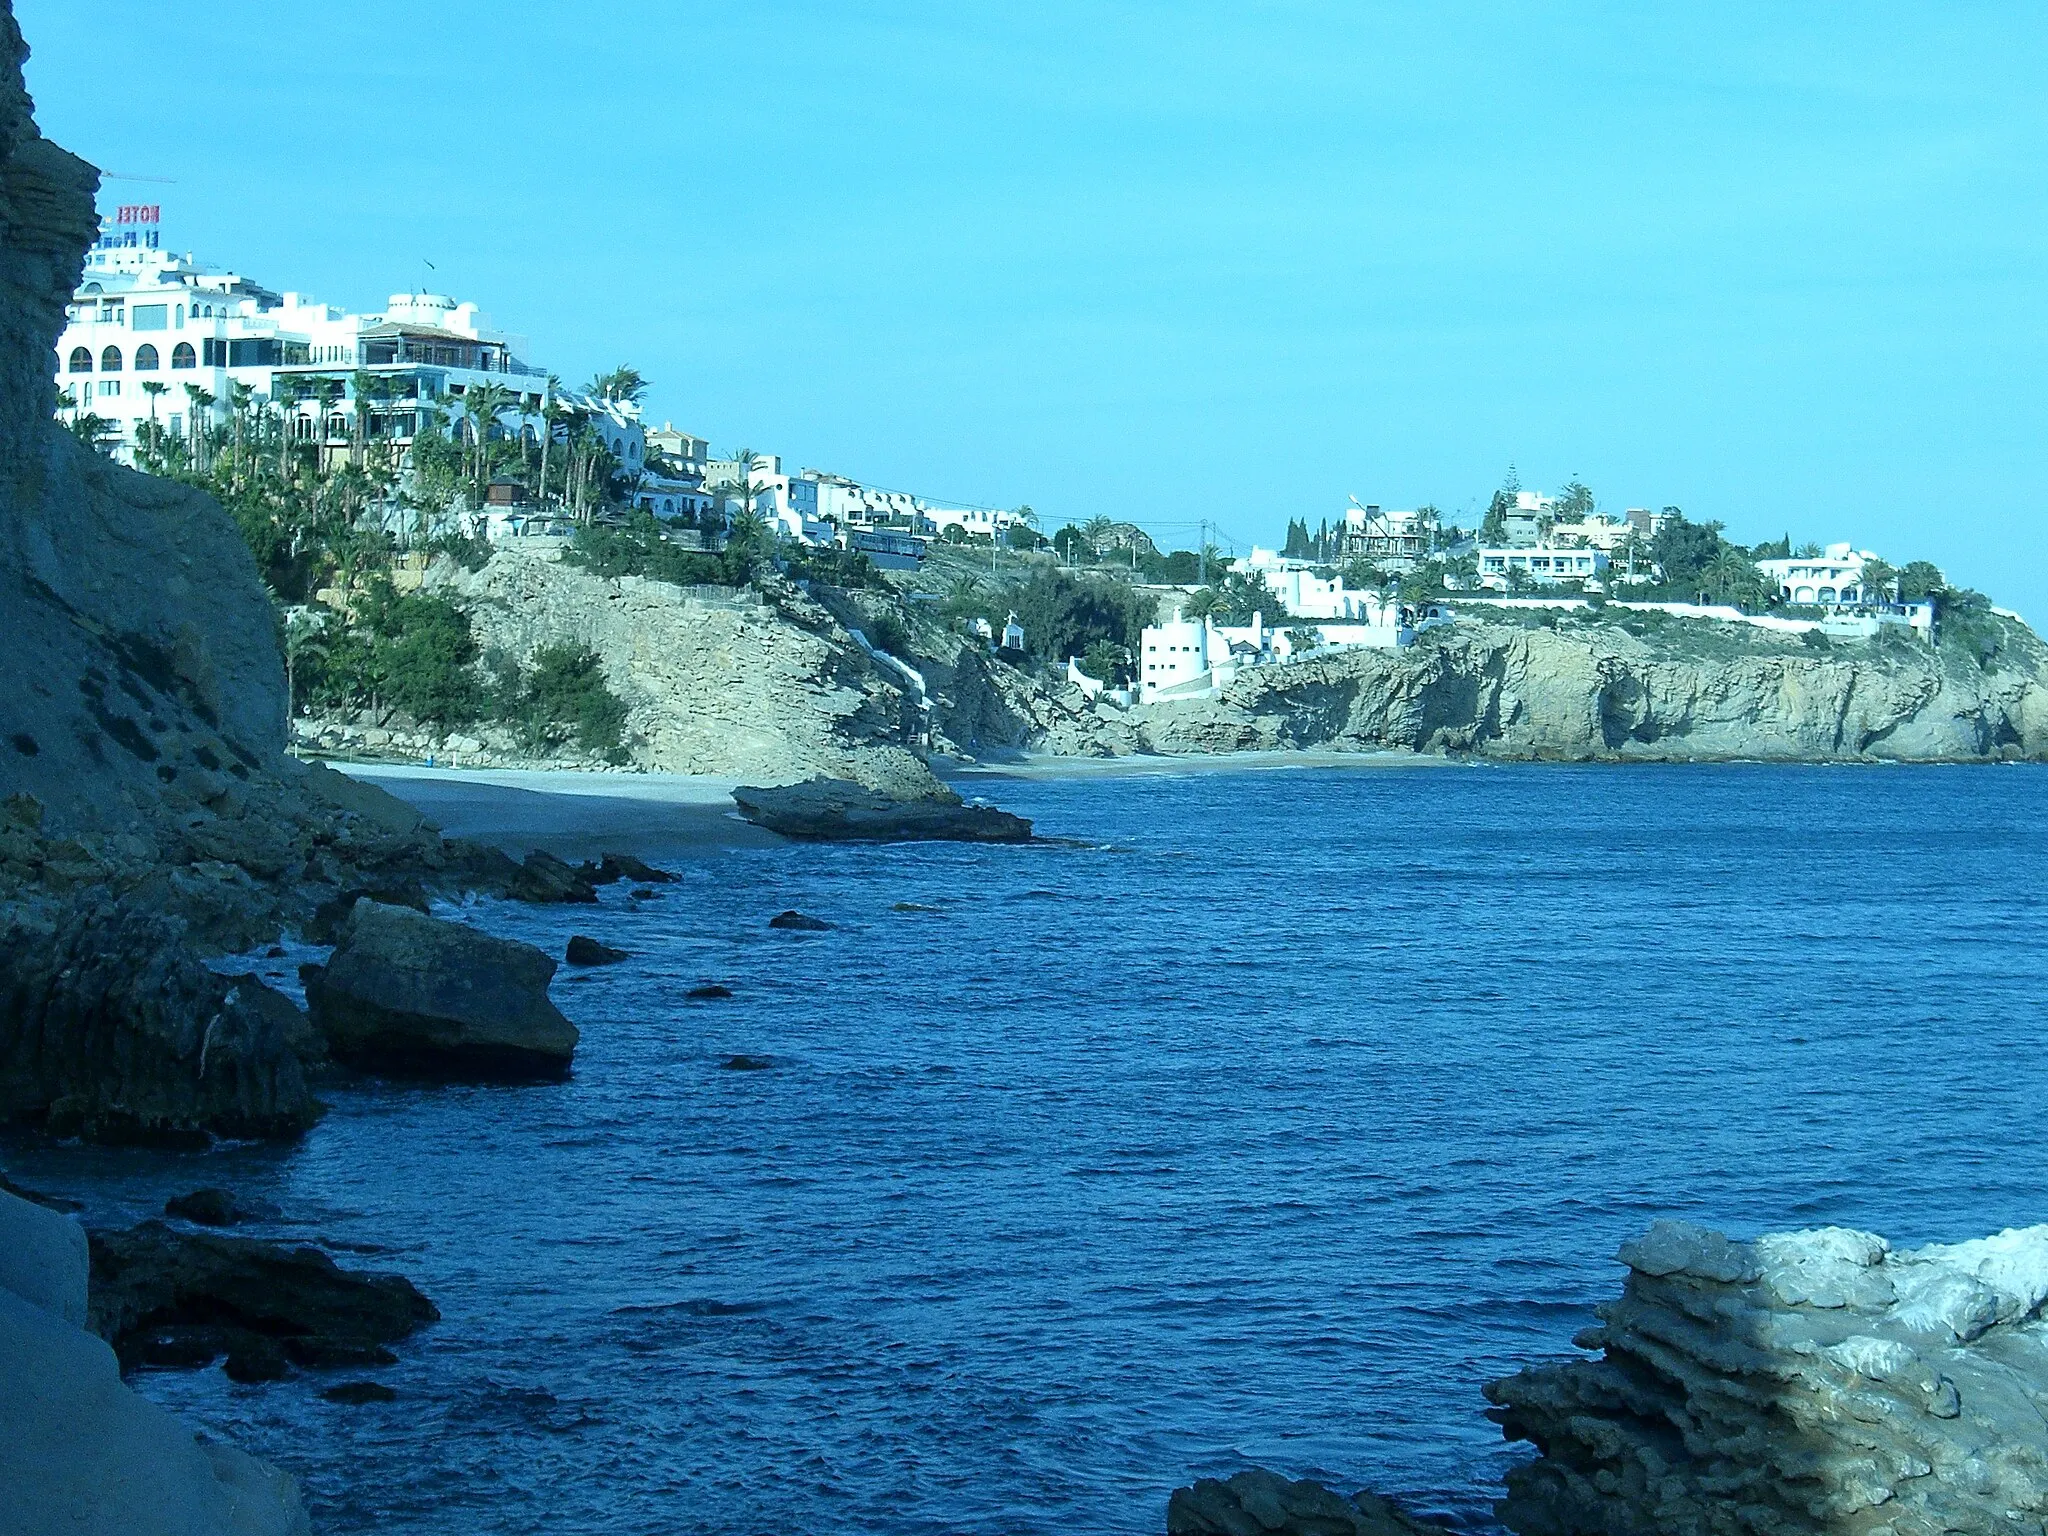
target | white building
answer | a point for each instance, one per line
(1190, 658)
(143, 317)
(1599, 531)
(1834, 578)
(1544, 564)
(1391, 539)
(1304, 593)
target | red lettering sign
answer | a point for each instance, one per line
(139, 213)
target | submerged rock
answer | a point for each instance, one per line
(832, 810)
(1806, 1382)
(164, 1297)
(709, 992)
(358, 1392)
(417, 996)
(215, 1208)
(584, 950)
(799, 922)
(1262, 1503)
(746, 1064)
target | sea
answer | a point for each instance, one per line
(1261, 1117)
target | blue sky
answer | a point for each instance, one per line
(1780, 265)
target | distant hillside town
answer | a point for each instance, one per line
(352, 446)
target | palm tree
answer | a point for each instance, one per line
(622, 383)
(198, 399)
(739, 486)
(239, 396)
(550, 408)
(362, 385)
(1730, 575)
(153, 388)
(1096, 531)
(483, 405)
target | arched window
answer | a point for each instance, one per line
(181, 317)
(81, 360)
(145, 359)
(110, 360)
(182, 356)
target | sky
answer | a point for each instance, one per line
(1780, 265)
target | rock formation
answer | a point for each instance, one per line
(417, 996)
(1806, 1382)
(168, 1298)
(728, 685)
(80, 1454)
(830, 810)
(1598, 691)
(1262, 1503)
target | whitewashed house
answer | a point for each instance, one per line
(1834, 578)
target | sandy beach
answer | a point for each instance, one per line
(572, 815)
(1033, 766)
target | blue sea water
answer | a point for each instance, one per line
(1263, 1125)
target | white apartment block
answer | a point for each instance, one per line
(141, 316)
(1834, 578)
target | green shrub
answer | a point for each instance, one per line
(641, 549)
(1063, 615)
(566, 693)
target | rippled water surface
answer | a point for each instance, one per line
(1265, 1127)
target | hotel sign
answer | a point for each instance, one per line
(139, 213)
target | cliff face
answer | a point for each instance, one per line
(1521, 693)
(772, 694)
(1805, 1382)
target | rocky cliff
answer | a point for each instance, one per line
(1805, 1382)
(739, 686)
(1597, 691)
(148, 812)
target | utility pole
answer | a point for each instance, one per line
(1202, 555)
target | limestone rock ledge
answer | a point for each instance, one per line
(80, 1454)
(1811, 1381)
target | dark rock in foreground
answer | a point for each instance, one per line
(544, 878)
(1807, 1382)
(415, 996)
(799, 922)
(584, 950)
(833, 810)
(1262, 1503)
(169, 1298)
(112, 1030)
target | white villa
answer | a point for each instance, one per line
(142, 316)
(1834, 578)
(1191, 658)
(1544, 564)
(1303, 593)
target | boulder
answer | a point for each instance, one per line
(614, 867)
(112, 1030)
(799, 922)
(584, 950)
(544, 878)
(80, 1454)
(1262, 1503)
(165, 1297)
(416, 996)
(833, 810)
(1806, 1382)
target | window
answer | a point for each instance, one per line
(110, 360)
(110, 311)
(81, 360)
(182, 356)
(152, 317)
(109, 388)
(180, 322)
(145, 359)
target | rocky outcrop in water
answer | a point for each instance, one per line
(110, 1029)
(1807, 1382)
(830, 810)
(413, 995)
(1594, 690)
(1262, 1503)
(80, 1454)
(163, 1297)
